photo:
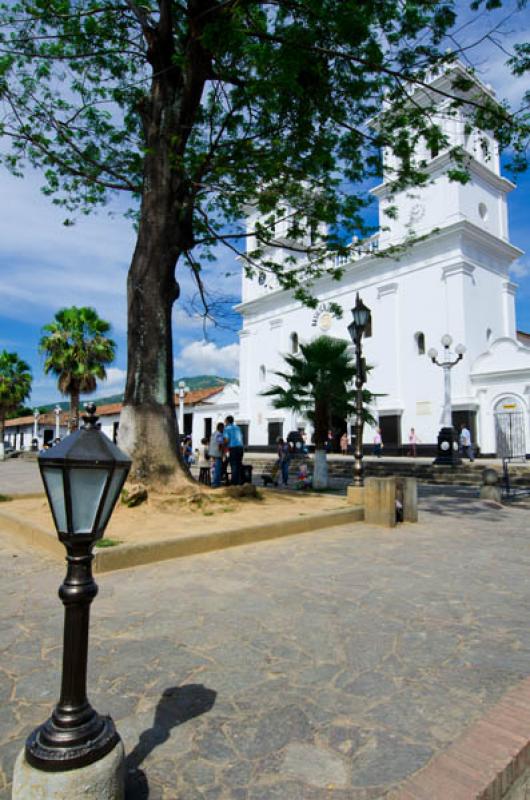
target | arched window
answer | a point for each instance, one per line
(263, 372)
(294, 343)
(420, 342)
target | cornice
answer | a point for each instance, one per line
(458, 269)
(353, 270)
(440, 164)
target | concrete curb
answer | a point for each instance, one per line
(123, 556)
(491, 758)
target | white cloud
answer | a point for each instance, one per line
(114, 384)
(199, 358)
(521, 268)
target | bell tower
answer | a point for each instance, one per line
(442, 202)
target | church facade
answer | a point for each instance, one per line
(452, 279)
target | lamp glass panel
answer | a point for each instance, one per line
(53, 478)
(116, 483)
(86, 488)
(361, 314)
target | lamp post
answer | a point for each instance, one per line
(57, 422)
(83, 477)
(36, 416)
(361, 318)
(183, 391)
(448, 449)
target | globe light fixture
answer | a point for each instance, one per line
(361, 318)
(83, 476)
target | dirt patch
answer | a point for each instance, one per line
(168, 516)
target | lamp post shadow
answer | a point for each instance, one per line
(177, 705)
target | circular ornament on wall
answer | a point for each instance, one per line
(325, 321)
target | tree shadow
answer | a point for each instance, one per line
(177, 705)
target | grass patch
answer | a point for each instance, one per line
(5, 498)
(107, 542)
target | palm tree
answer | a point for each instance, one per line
(15, 387)
(77, 349)
(319, 387)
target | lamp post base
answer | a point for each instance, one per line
(448, 448)
(55, 749)
(101, 780)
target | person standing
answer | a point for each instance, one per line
(203, 461)
(215, 450)
(413, 441)
(378, 443)
(284, 456)
(465, 442)
(344, 444)
(234, 442)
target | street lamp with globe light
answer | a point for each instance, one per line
(183, 391)
(448, 445)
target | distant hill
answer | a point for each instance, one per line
(195, 382)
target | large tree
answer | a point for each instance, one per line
(77, 350)
(318, 387)
(15, 387)
(198, 108)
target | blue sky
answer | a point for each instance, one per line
(45, 265)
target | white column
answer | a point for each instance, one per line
(508, 308)
(36, 416)
(446, 415)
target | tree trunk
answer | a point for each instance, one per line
(148, 429)
(73, 422)
(320, 475)
(2, 433)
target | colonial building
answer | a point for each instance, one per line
(453, 279)
(203, 409)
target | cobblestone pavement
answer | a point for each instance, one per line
(324, 666)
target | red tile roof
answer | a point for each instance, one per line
(192, 398)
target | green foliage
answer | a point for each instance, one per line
(319, 385)
(107, 542)
(5, 498)
(21, 411)
(15, 384)
(241, 102)
(77, 350)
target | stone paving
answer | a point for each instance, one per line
(327, 666)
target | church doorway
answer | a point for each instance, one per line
(274, 432)
(390, 426)
(510, 436)
(468, 418)
(339, 426)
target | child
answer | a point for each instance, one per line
(303, 479)
(204, 463)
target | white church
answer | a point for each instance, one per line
(453, 279)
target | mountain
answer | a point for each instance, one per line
(194, 382)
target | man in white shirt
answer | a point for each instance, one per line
(465, 442)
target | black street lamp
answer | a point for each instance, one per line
(83, 477)
(361, 319)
